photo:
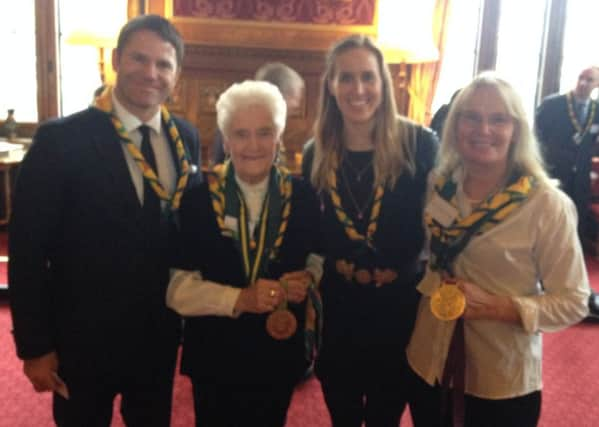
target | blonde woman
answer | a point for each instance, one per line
(505, 266)
(370, 168)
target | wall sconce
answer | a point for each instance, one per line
(83, 37)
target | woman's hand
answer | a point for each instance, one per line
(261, 297)
(297, 285)
(481, 304)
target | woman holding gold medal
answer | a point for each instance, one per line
(370, 167)
(505, 265)
(247, 265)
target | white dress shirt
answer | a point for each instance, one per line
(534, 257)
(190, 295)
(167, 173)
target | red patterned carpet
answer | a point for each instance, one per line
(571, 388)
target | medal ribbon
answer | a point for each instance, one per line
(346, 221)
(222, 182)
(104, 103)
(448, 242)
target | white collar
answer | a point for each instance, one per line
(131, 122)
(257, 190)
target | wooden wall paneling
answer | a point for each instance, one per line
(209, 70)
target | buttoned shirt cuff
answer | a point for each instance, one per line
(528, 309)
(190, 295)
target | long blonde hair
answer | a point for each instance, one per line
(392, 147)
(524, 154)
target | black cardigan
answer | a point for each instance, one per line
(364, 318)
(222, 350)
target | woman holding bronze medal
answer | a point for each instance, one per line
(369, 166)
(246, 266)
(505, 265)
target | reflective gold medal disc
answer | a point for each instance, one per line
(281, 324)
(448, 301)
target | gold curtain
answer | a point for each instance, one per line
(424, 77)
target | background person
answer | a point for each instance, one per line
(369, 166)
(502, 230)
(248, 236)
(89, 241)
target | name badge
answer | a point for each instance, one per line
(441, 210)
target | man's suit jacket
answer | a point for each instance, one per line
(567, 161)
(87, 276)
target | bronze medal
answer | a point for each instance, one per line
(345, 268)
(363, 277)
(281, 324)
(448, 301)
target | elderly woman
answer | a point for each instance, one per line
(505, 266)
(370, 167)
(247, 259)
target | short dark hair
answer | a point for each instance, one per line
(282, 76)
(157, 24)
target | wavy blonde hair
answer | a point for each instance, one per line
(524, 154)
(393, 149)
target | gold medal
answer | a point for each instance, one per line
(281, 324)
(363, 277)
(448, 301)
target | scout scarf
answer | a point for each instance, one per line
(228, 202)
(448, 242)
(344, 219)
(104, 103)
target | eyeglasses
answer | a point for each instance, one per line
(494, 121)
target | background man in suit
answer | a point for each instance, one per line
(94, 212)
(567, 127)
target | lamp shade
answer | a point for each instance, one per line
(405, 31)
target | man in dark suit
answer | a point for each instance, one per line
(567, 127)
(95, 210)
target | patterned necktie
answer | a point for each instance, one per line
(151, 203)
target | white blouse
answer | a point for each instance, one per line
(535, 257)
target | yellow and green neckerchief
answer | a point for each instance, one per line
(227, 199)
(447, 242)
(104, 103)
(345, 220)
(578, 126)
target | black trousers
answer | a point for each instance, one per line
(373, 392)
(146, 399)
(426, 403)
(241, 405)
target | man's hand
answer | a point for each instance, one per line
(41, 372)
(261, 297)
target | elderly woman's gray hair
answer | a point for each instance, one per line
(251, 93)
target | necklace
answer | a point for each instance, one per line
(578, 126)
(359, 210)
(356, 171)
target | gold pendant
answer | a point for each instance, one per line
(281, 324)
(363, 277)
(448, 301)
